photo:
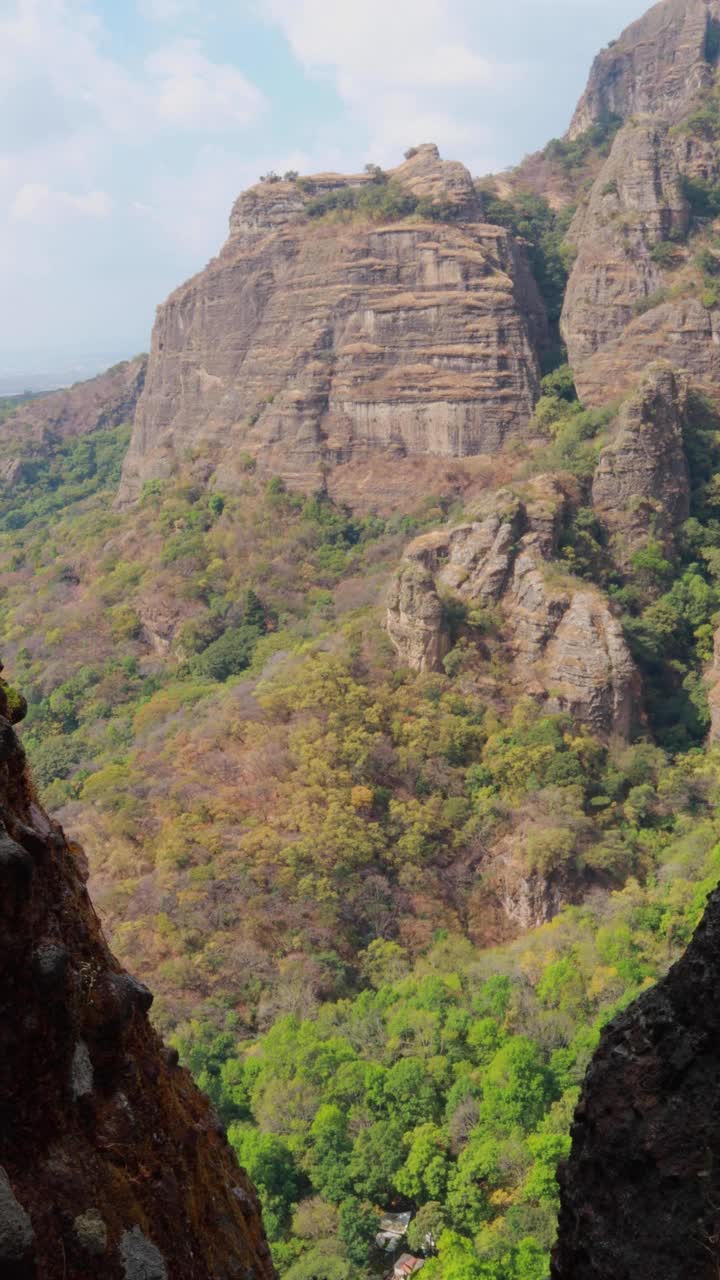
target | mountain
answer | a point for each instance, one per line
(371, 649)
(319, 339)
(47, 421)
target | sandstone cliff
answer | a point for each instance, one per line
(312, 342)
(633, 295)
(659, 64)
(641, 487)
(640, 1195)
(101, 402)
(112, 1164)
(564, 643)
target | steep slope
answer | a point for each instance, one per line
(641, 486)
(659, 64)
(316, 341)
(564, 643)
(638, 289)
(46, 421)
(641, 1190)
(111, 1163)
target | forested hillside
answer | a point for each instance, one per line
(374, 657)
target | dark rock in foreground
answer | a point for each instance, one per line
(112, 1164)
(641, 1190)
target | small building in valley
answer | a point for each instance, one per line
(393, 1227)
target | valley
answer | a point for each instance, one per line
(369, 630)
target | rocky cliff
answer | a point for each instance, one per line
(111, 1162)
(564, 644)
(634, 293)
(102, 402)
(641, 1190)
(659, 64)
(312, 342)
(641, 487)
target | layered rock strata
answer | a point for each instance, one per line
(112, 1164)
(633, 294)
(565, 644)
(640, 1195)
(659, 64)
(641, 488)
(309, 343)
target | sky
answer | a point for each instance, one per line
(128, 127)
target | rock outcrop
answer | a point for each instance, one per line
(99, 403)
(636, 201)
(311, 342)
(684, 332)
(641, 488)
(633, 295)
(565, 645)
(659, 64)
(112, 1164)
(640, 1194)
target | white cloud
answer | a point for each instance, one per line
(57, 80)
(191, 92)
(37, 202)
(406, 42)
(407, 68)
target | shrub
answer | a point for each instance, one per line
(702, 196)
(544, 229)
(230, 654)
(664, 254)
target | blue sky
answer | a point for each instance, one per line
(127, 128)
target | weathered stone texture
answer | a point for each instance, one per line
(307, 345)
(636, 201)
(659, 64)
(626, 302)
(683, 332)
(641, 488)
(564, 643)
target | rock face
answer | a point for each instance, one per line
(684, 332)
(112, 1164)
(640, 1194)
(102, 402)
(566, 646)
(659, 64)
(630, 295)
(314, 342)
(636, 202)
(641, 487)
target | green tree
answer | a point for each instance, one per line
(327, 1158)
(357, 1229)
(425, 1172)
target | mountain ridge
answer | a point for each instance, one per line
(380, 698)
